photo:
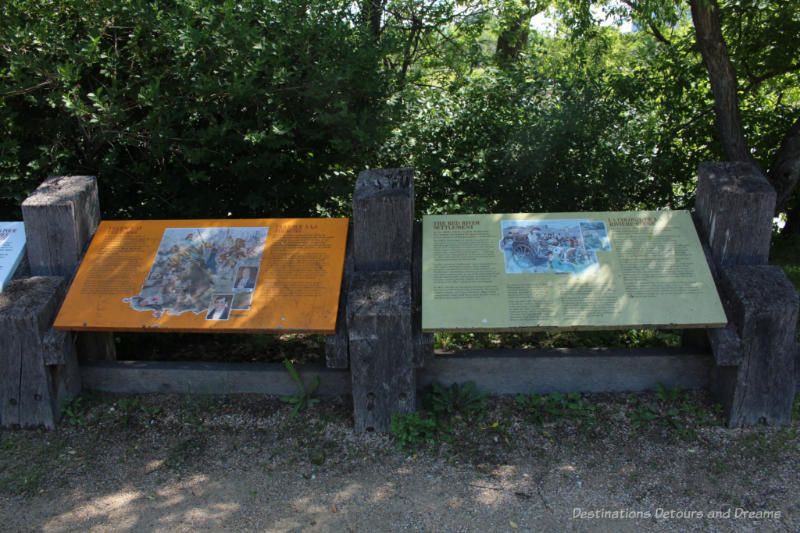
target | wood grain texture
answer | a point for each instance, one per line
(56, 346)
(381, 348)
(383, 216)
(762, 304)
(60, 217)
(10, 371)
(735, 205)
(138, 377)
(506, 371)
(30, 390)
(336, 345)
(726, 345)
(494, 371)
(24, 267)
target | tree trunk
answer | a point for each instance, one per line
(514, 36)
(784, 173)
(372, 14)
(722, 75)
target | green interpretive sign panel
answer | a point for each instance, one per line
(566, 271)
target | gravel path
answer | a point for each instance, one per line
(168, 463)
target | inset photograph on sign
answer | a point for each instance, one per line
(242, 301)
(246, 278)
(220, 308)
(547, 246)
(595, 236)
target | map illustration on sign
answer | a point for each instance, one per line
(203, 271)
(552, 246)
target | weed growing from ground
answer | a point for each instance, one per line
(451, 409)
(128, 407)
(412, 430)
(456, 400)
(674, 411)
(305, 399)
(541, 408)
(74, 412)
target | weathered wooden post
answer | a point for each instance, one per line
(754, 373)
(61, 216)
(379, 303)
(38, 365)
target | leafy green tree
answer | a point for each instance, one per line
(749, 49)
(563, 129)
(193, 108)
(196, 108)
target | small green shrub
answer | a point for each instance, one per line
(128, 405)
(674, 411)
(73, 412)
(668, 395)
(412, 430)
(462, 400)
(541, 408)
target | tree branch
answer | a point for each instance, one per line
(755, 81)
(20, 92)
(656, 32)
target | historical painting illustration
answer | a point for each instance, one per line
(201, 270)
(554, 246)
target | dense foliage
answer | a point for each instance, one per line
(201, 108)
(192, 108)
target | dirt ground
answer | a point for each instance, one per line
(189, 463)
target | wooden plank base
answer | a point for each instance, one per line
(494, 371)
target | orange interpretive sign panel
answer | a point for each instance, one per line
(226, 276)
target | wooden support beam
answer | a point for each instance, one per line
(379, 302)
(61, 217)
(381, 348)
(38, 367)
(756, 354)
(762, 306)
(140, 377)
(735, 205)
(499, 371)
(506, 371)
(423, 342)
(383, 217)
